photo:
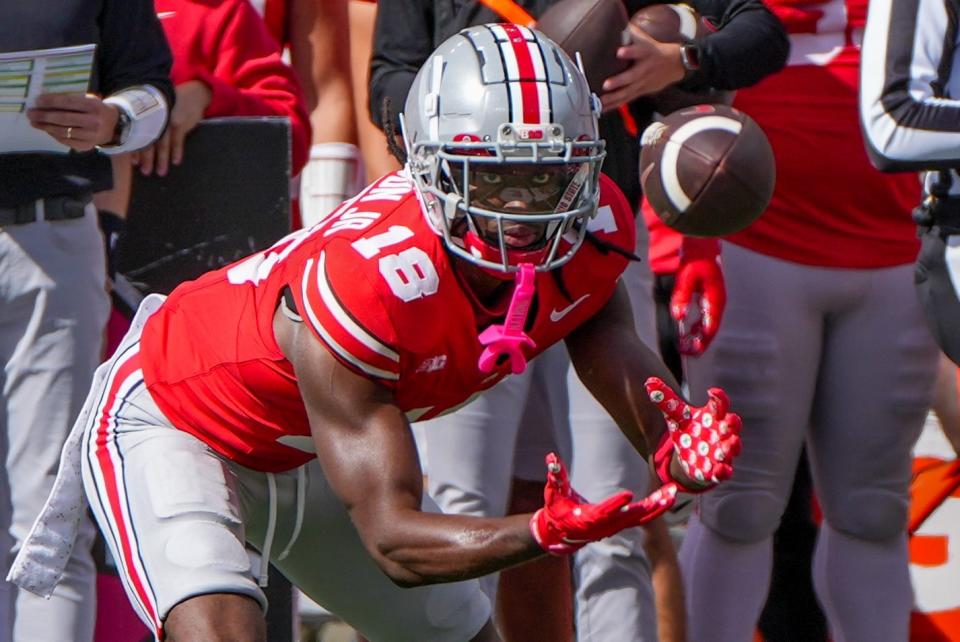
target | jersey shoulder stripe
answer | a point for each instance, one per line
(350, 339)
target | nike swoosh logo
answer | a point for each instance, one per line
(168, 14)
(556, 315)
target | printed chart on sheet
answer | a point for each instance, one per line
(24, 75)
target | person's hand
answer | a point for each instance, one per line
(698, 278)
(79, 121)
(567, 521)
(654, 65)
(193, 98)
(702, 442)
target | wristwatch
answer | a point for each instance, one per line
(690, 56)
(122, 129)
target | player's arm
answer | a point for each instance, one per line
(366, 449)
(614, 363)
(637, 389)
(367, 452)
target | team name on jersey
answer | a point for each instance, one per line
(392, 188)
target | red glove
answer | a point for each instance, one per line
(567, 521)
(705, 439)
(699, 274)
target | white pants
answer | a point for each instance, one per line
(176, 517)
(472, 455)
(53, 310)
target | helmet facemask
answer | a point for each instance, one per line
(523, 198)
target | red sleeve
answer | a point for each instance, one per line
(339, 303)
(248, 77)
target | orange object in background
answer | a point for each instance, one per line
(934, 528)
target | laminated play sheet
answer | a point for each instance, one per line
(24, 75)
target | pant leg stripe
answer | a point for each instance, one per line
(125, 378)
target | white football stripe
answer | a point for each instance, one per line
(688, 22)
(345, 354)
(671, 153)
(333, 305)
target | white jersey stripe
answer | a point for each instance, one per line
(345, 320)
(328, 339)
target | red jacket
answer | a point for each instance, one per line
(225, 44)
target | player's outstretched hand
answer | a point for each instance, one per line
(704, 440)
(567, 521)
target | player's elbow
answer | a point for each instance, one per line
(398, 568)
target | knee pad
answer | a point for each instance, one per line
(744, 517)
(868, 514)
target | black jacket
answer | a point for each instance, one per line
(131, 50)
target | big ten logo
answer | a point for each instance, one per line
(820, 30)
(935, 550)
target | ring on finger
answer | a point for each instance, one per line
(69, 133)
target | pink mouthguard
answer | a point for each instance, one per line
(510, 338)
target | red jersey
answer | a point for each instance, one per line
(830, 206)
(376, 287)
(225, 44)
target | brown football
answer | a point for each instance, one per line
(677, 23)
(595, 29)
(707, 170)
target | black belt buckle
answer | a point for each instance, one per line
(56, 208)
(65, 207)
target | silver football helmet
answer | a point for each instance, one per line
(502, 144)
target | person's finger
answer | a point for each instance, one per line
(680, 299)
(732, 424)
(176, 145)
(147, 154)
(614, 503)
(135, 158)
(650, 507)
(163, 153)
(672, 406)
(721, 403)
(556, 472)
(68, 102)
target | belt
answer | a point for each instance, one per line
(56, 208)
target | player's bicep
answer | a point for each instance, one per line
(343, 310)
(363, 440)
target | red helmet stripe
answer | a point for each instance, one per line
(524, 74)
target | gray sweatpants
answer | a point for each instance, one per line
(840, 360)
(53, 310)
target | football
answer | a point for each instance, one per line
(592, 28)
(677, 23)
(707, 170)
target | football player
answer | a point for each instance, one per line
(269, 401)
